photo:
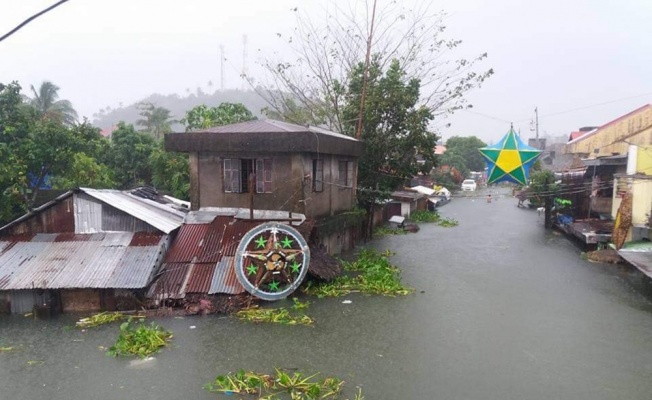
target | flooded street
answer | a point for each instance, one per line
(502, 310)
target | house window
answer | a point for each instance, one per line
(238, 170)
(264, 175)
(346, 174)
(317, 175)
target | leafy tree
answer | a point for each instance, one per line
(170, 172)
(395, 130)
(329, 48)
(204, 117)
(47, 104)
(454, 159)
(292, 112)
(467, 148)
(85, 171)
(156, 120)
(15, 125)
(129, 155)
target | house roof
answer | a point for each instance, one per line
(574, 135)
(265, 136)
(165, 217)
(440, 149)
(161, 216)
(620, 159)
(407, 195)
(608, 124)
(202, 258)
(121, 260)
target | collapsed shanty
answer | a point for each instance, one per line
(85, 250)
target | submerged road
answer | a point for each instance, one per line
(502, 310)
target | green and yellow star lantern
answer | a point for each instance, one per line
(509, 160)
(272, 260)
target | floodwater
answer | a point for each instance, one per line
(502, 310)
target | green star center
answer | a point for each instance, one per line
(261, 242)
(287, 242)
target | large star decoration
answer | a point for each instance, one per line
(509, 159)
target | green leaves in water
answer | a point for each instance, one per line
(138, 339)
(296, 385)
(277, 315)
(433, 216)
(102, 318)
(376, 275)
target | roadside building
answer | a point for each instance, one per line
(277, 166)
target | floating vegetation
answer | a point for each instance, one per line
(425, 216)
(296, 385)
(35, 362)
(385, 230)
(277, 315)
(103, 318)
(138, 339)
(376, 276)
(448, 222)
(9, 348)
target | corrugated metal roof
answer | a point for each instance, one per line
(187, 244)
(200, 278)
(225, 279)
(81, 261)
(211, 251)
(233, 234)
(160, 216)
(171, 281)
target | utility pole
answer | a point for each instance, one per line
(536, 125)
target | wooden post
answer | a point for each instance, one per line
(252, 190)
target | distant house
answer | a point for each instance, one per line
(273, 165)
(85, 250)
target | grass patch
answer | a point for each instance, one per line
(8, 348)
(385, 230)
(102, 318)
(280, 315)
(138, 339)
(375, 275)
(296, 385)
(425, 216)
(448, 222)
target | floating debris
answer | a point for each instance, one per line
(376, 276)
(273, 315)
(137, 339)
(297, 385)
(103, 318)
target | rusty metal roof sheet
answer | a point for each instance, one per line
(171, 281)
(160, 216)
(234, 233)
(224, 278)
(187, 244)
(211, 251)
(103, 260)
(200, 278)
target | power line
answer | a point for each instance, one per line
(30, 19)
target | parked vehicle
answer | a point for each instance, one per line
(469, 185)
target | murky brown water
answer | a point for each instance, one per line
(508, 311)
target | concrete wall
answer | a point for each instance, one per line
(292, 185)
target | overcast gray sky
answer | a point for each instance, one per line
(557, 55)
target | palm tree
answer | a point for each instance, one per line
(156, 120)
(47, 104)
